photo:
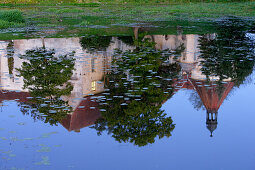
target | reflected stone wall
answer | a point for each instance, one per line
(189, 59)
(90, 67)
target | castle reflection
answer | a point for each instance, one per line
(211, 93)
(92, 64)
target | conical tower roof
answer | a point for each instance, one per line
(212, 94)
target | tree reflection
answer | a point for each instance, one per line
(46, 77)
(227, 57)
(230, 53)
(10, 53)
(95, 43)
(136, 88)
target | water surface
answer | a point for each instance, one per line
(143, 101)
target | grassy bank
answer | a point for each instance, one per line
(77, 2)
(77, 17)
(127, 13)
(11, 18)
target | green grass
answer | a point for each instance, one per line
(106, 15)
(150, 12)
(65, 10)
(96, 2)
(78, 17)
(5, 24)
(11, 18)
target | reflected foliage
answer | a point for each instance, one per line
(129, 40)
(229, 53)
(10, 53)
(140, 82)
(196, 101)
(95, 43)
(46, 77)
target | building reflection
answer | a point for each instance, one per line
(211, 92)
(87, 79)
(91, 67)
(84, 115)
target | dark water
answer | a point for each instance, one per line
(182, 101)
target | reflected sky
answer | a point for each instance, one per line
(191, 83)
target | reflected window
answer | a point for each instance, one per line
(93, 86)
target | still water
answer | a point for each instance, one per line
(182, 101)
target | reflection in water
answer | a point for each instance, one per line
(121, 91)
(137, 86)
(229, 54)
(46, 77)
(84, 115)
(211, 89)
(212, 64)
(95, 43)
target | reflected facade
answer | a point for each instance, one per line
(93, 67)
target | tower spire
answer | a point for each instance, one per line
(211, 121)
(212, 96)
